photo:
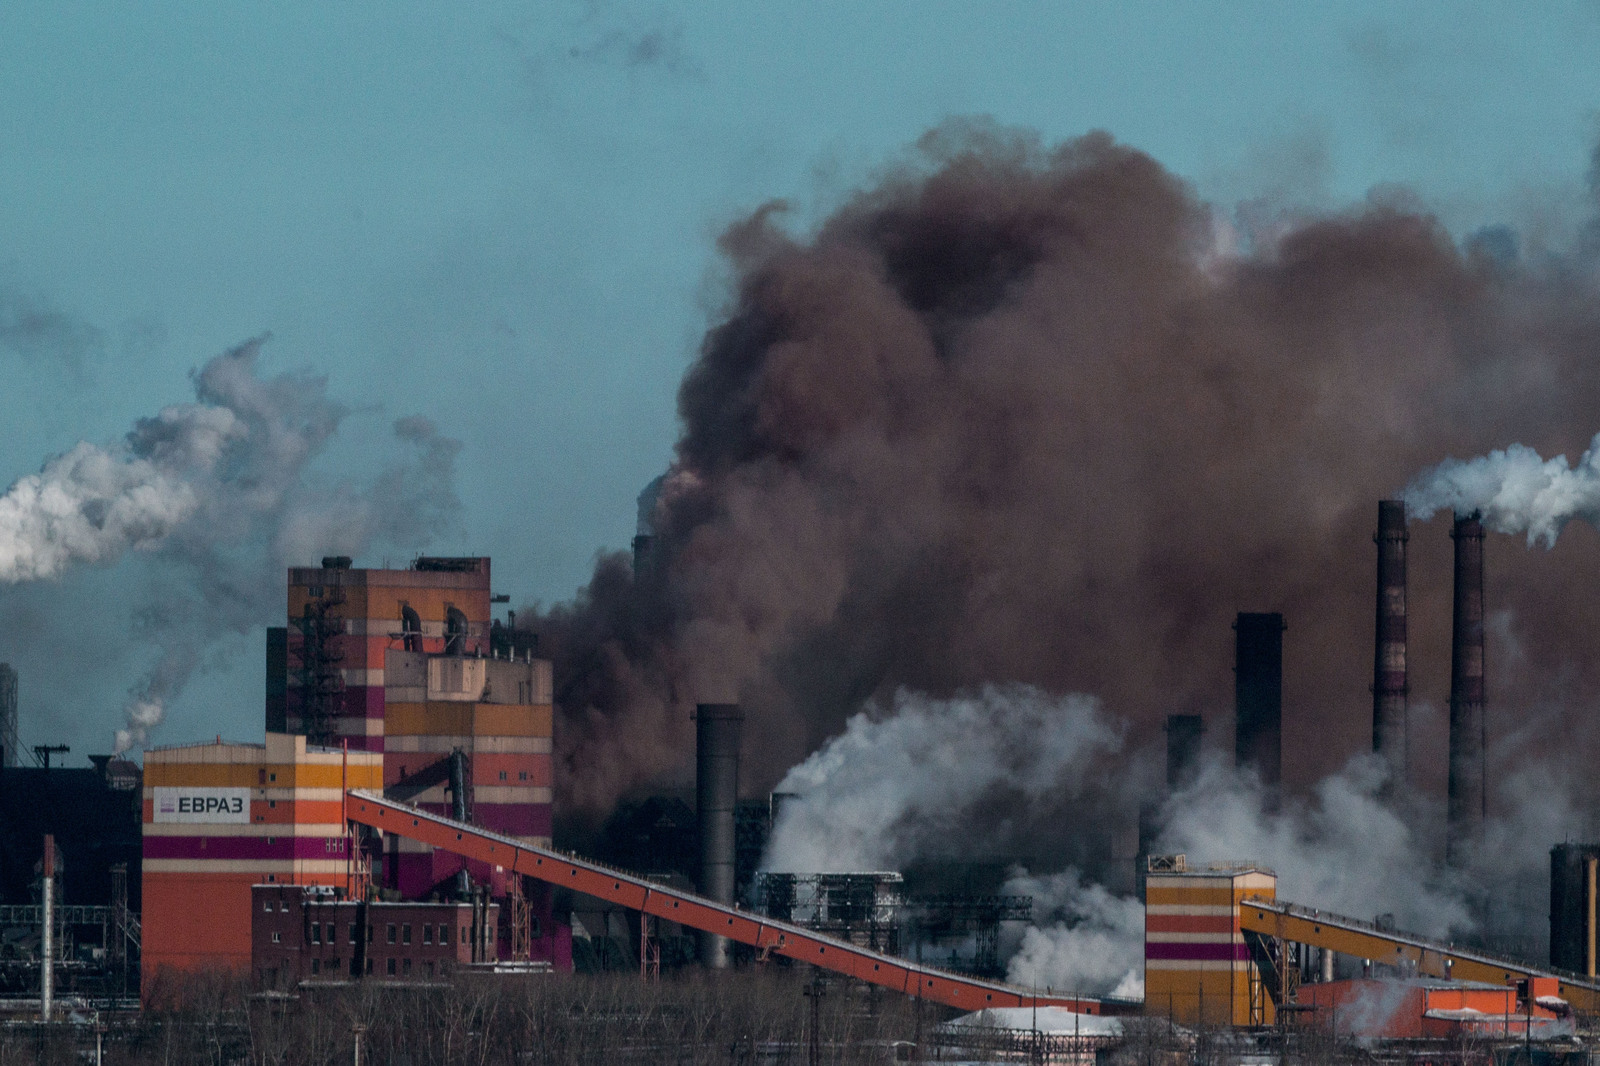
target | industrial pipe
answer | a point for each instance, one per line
(47, 939)
(1389, 656)
(1258, 697)
(717, 729)
(1467, 806)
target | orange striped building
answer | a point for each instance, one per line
(1197, 967)
(219, 818)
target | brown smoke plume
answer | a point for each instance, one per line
(1017, 415)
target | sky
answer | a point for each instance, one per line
(504, 217)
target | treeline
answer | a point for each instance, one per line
(688, 1020)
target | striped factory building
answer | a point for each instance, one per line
(344, 622)
(219, 818)
(1197, 967)
(409, 663)
(499, 714)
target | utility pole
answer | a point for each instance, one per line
(814, 990)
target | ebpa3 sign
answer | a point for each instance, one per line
(202, 804)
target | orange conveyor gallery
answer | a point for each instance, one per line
(1351, 936)
(696, 912)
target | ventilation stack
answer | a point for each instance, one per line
(1389, 657)
(1258, 697)
(1183, 748)
(1574, 888)
(8, 716)
(1467, 798)
(717, 728)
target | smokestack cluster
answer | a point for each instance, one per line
(1467, 804)
(1389, 658)
(717, 729)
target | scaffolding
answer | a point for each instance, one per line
(321, 675)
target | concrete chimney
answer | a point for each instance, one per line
(1389, 656)
(1258, 696)
(1467, 796)
(717, 728)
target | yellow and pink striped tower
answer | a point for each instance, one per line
(1197, 966)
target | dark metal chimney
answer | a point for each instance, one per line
(1389, 656)
(1258, 696)
(717, 727)
(1183, 748)
(1468, 800)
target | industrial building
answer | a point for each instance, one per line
(220, 818)
(382, 680)
(395, 823)
(310, 932)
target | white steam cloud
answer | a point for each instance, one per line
(928, 779)
(898, 782)
(1085, 939)
(218, 492)
(1341, 849)
(1516, 489)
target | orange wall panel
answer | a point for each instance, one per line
(196, 920)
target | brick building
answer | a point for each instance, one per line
(301, 932)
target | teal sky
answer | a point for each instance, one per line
(503, 216)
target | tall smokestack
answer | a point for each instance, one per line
(1389, 656)
(1258, 696)
(1183, 748)
(717, 727)
(1468, 800)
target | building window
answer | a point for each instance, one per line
(405, 933)
(316, 966)
(316, 933)
(391, 932)
(369, 934)
(261, 777)
(352, 932)
(427, 933)
(390, 967)
(428, 967)
(266, 905)
(277, 937)
(444, 933)
(522, 775)
(283, 906)
(533, 926)
(502, 775)
(329, 933)
(272, 777)
(406, 968)
(272, 804)
(410, 628)
(369, 964)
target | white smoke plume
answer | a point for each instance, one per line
(903, 782)
(218, 494)
(1083, 938)
(1342, 848)
(1516, 489)
(927, 779)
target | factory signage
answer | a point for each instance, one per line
(202, 804)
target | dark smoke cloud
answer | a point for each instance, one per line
(1034, 414)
